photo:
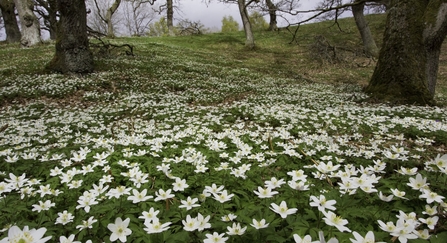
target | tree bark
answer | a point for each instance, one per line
(273, 25)
(10, 21)
(249, 38)
(401, 72)
(170, 16)
(108, 18)
(72, 47)
(434, 34)
(369, 45)
(29, 23)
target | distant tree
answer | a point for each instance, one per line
(274, 9)
(12, 30)
(257, 21)
(72, 45)
(229, 24)
(138, 15)
(249, 37)
(30, 27)
(159, 28)
(169, 7)
(271, 8)
(107, 17)
(47, 10)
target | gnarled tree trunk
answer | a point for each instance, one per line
(369, 45)
(273, 25)
(10, 21)
(409, 56)
(29, 23)
(72, 48)
(249, 38)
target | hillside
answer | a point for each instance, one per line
(195, 139)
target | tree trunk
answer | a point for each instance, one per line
(109, 14)
(434, 34)
(10, 21)
(249, 38)
(170, 16)
(29, 23)
(52, 18)
(72, 47)
(273, 25)
(369, 45)
(400, 73)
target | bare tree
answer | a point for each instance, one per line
(169, 7)
(108, 17)
(30, 26)
(12, 30)
(47, 9)
(275, 9)
(102, 18)
(138, 15)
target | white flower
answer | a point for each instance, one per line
(70, 239)
(274, 183)
(87, 223)
(179, 185)
(163, 195)
(265, 193)
(259, 224)
(282, 209)
(189, 203)
(430, 222)
(418, 183)
(26, 235)
(404, 231)
(190, 224)
(223, 196)
(385, 198)
(156, 226)
(229, 217)
(399, 194)
(430, 210)
(305, 239)
(369, 237)
(139, 196)
(119, 229)
(203, 222)
(64, 218)
(332, 219)
(431, 196)
(322, 204)
(43, 206)
(149, 216)
(236, 229)
(215, 238)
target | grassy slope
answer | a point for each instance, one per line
(275, 55)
